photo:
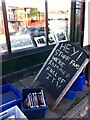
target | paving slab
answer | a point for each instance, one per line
(18, 86)
(27, 82)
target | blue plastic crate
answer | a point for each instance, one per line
(79, 83)
(71, 95)
(84, 78)
(9, 96)
(33, 113)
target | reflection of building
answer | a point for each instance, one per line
(53, 15)
(16, 13)
(1, 22)
(18, 17)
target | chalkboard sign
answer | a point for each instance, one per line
(62, 67)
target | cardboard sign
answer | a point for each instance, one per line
(62, 67)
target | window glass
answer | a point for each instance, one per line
(26, 23)
(59, 18)
(26, 20)
(3, 46)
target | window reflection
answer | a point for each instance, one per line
(59, 18)
(26, 22)
(3, 46)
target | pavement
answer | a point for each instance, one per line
(77, 108)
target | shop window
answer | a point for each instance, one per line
(59, 18)
(27, 22)
(3, 46)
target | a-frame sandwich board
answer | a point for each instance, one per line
(61, 69)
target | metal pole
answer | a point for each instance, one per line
(6, 26)
(46, 21)
(72, 21)
(82, 19)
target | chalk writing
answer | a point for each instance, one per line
(65, 47)
(74, 64)
(52, 71)
(59, 82)
(52, 63)
(74, 51)
(62, 55)
(68, 48)
(58, 61)
(79, 56)
(63, 72)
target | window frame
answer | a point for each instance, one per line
(72, 24)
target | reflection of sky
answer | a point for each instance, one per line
(57, 5)
(27, 3)
(57, 25)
